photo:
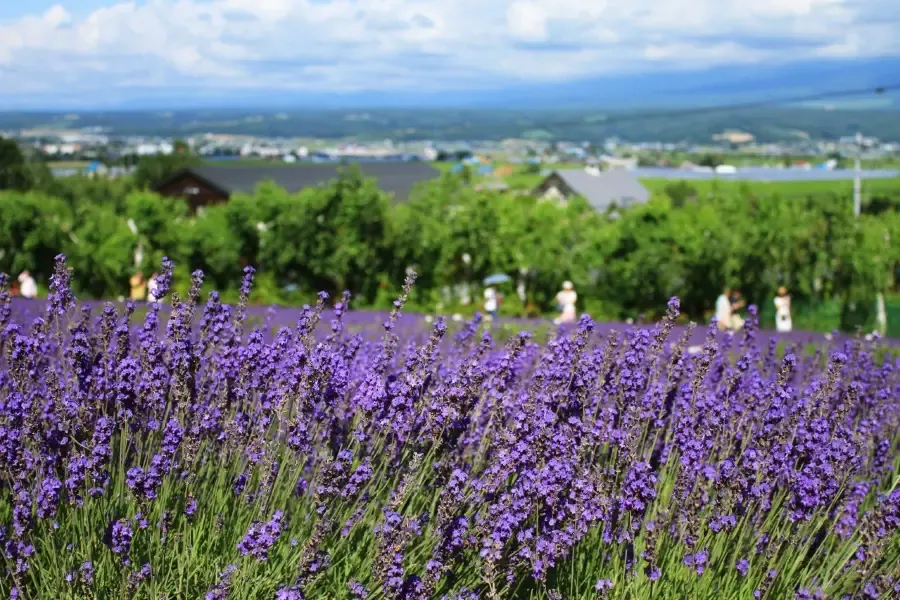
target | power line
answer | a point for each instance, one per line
(700, 110)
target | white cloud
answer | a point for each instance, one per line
(527, 20)
(326, 45)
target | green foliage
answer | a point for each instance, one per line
(33, 229)
(101, 251)
(680, 192)
(14, 172)
(210, 245)
(346, 235)
(710, 160)
(331, 239)
(159, 222)
(84, 189)
(154, 169)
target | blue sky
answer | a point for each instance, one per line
(103, 51)
(15, 9)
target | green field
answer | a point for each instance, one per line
(520, 180)
(69, 164)
(527, 181)
(786, 188)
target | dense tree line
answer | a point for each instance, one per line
(349, 235)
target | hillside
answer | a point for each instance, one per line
(765, 124)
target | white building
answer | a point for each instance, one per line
(151, 149)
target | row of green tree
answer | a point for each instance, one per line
(349, 235)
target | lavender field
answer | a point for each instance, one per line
(202, 451)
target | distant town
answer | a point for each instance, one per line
(71, 151)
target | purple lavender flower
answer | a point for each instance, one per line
(357, 590)
(60, 299)
(260, 537)
(535, 450)
(136, 578)
(222, 588)
(86, 572)
(164, 278)
(697, 560)
(638, 490)
(48, 497)
(120, 539)
(239, 483)
(289, 593)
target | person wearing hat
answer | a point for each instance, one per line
(491, 301)
(566, 299)
(783, 310)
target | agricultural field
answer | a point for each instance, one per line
(521, 180)
(69, 164)
(784, 188)
(323, 453)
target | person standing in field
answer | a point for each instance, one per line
(138, 287)
(152, 288)
(27, 286)
(566, 299)
(723, 310)
(783, 311)
(491, 301)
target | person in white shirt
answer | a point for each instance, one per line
(566, 299)
(491, 301)
(783, 310)
(723, 310)
(27, 285)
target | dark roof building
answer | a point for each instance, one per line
(211, 184)
(603, 190)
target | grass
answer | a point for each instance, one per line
(527, 181)
(786, 188)
(69, 164)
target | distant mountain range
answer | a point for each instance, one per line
(625, 106)
(720, 85)
(449, 124)
(664, 88)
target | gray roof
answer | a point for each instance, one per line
(616, 186)
(397, 178)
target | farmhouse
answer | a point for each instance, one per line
(213, 184)
(604, 190)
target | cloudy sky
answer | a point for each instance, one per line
(107, 48)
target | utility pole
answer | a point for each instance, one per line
(880, 311)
